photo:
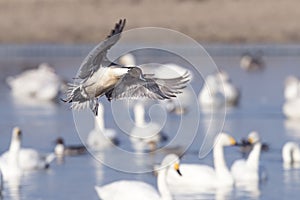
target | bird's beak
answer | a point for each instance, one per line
(232, 141)
(176, 167)
(250, 140)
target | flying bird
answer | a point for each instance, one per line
(98, 76)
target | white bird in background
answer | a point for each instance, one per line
(40, 84)
(199, 178)
(250, 169)
(98, 76)
(291, 155)
(23, 159)
(1, 183)
(137, 190)
(9, 164)
(291, 88)
(291, 106)
(218, 91)
(100, 137)
(145, 135)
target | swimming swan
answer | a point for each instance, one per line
(137, 190)
(100, 137)
(197, 178)
(250, 170)
(144, 135)
(41, 84)
(23, 159)
(291, 154)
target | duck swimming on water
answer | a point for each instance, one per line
(99, 76)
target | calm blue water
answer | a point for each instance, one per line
(259, 109)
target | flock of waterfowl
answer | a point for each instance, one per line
(98, 76)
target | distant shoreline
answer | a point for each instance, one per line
(207, 21)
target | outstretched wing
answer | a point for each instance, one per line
(93, 60)
(141, 87)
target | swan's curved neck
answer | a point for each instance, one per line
(162, 185)
(99, 119)
(219, 160)
(14, 149)
(253, 158)
(139, 114)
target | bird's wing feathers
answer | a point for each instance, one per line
(93, 60)
(153, 88)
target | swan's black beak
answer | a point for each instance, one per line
(176, 167)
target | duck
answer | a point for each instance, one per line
(23, 159)
(137, 190)
(252, 62)
(249, 169)
(291, 154)
(98, 76)
(144, 135)
(61, 149)
(100, 137)
(41, 84)
(197, 178)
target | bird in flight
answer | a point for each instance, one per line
(99, 76)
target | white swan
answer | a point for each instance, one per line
(291, 88)
(41, 84)
(24, 159)
(218, 91)
(291, 154)
(1, 182)
(291, 108)
(198, 178)
(9, 164)
(144, 135)
(100, 137)
(137, 190)
(250, 169)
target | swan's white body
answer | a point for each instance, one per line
(100, 138)
(41, 84)
(250, 169)
(218, 91)
(144, 135)
(17, 160)
(292, 88)
(1, 182)
(291, 153)
(10, 166)
(196, 178)
(136, 190)
(291, 108)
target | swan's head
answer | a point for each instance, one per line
(253, 137)
(17, 133)
(127, 60)
(172, 161)
(291, 80)
(224, 139)
(223, 76)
